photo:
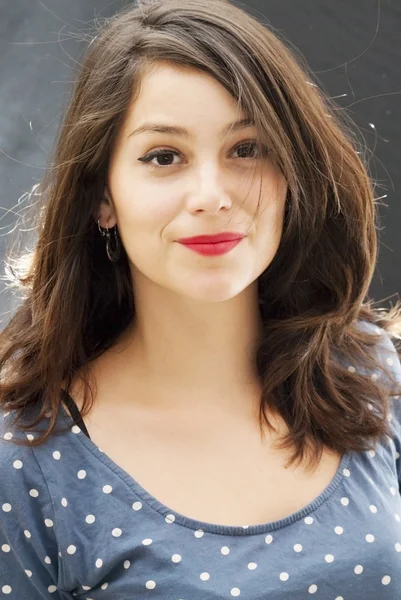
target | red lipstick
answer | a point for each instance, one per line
(212, 245)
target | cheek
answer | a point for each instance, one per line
(144, 213)
(270, 213)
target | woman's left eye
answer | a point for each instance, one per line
(163, 153)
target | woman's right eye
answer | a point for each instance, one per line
(160, 154)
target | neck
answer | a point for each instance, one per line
(191, 352)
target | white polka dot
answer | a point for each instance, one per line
(64, 501)
(329, 558)
(28, 572)
(75, 429)
(268, 539)
(176, 558)
(8, 435)
(338, 530)
(284, 576)
(71, 549)
(373, 508)
(147, 542)
(90, 519)
(99, 563)
(308, 520)
(51, 589)
(27, 533)
(312, 589)
(17, 464)
(86, 588)
(170, 519)
(107, 489)
(104, 586)
(137, 506)
(6, 548)
(205, 576)
(298, 547)
(370, 538)
(6, 589)
(252, 566)
(127, 564)
(48, 560)
(351, 369)
(199, 533)
(81, 474)
(30, 437)
(34, 493)
(398, 547)
(235, 592)
(358, 569)
(386, 580)
(346, 472)
(6, 507)
(345, 501)
(49, 523)
(225, 550)
(372, 453)
(56, 455)
(116, 532)
(150, 585)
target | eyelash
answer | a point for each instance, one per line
(163, 151)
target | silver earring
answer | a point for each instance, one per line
(113, 255)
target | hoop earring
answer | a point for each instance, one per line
(113, 255)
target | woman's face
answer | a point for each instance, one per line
(203, 182)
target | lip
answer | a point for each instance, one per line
(215, 248)
(212, 239)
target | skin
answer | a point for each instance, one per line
(178, 394)
(197, 318)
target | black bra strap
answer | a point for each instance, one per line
(75, 414)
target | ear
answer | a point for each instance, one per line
(106, 212)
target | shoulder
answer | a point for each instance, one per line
(20, 471)
(388, 370)
(27, 522)
(385, 349)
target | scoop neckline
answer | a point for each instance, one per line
(174, 517)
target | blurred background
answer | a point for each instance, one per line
(353, 48)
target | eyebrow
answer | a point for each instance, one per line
(184, 133)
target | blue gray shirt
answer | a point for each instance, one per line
(73, 524)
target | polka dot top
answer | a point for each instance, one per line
(73, 524)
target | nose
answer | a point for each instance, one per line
(209, 192)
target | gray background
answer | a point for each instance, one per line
(352, 47)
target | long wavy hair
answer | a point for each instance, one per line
(75, 303)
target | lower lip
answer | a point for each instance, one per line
(214, 249)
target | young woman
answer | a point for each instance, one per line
(199, 399)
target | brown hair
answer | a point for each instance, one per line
(312, 296)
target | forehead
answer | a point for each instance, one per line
(176, 96)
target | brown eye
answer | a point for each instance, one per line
(245, 150)
(163, 156)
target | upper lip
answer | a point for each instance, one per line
(227, 236)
